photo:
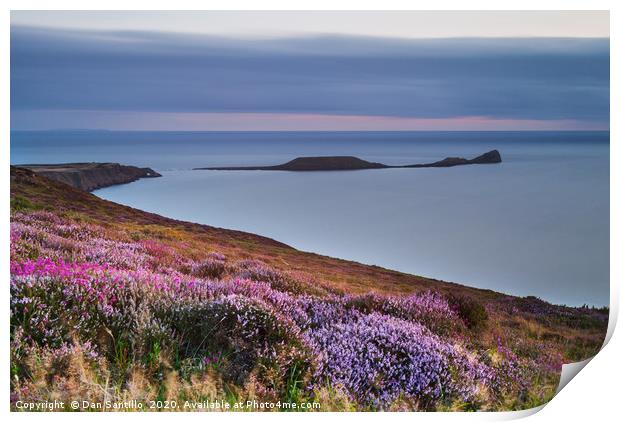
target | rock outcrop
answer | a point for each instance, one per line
(491, 157)
(91, 176)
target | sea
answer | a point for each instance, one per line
(535, 225)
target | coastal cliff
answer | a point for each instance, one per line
(91, 176)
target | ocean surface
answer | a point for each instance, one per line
(537, 224)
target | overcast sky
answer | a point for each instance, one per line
(310, 70)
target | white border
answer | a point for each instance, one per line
(591, 395)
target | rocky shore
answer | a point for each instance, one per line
(91, 176)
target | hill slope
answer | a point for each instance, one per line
(164, 309)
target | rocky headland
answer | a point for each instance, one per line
(91, 176)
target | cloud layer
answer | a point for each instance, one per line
(516, 79)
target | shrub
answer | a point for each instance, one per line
(209, 268)
(378, 359)
(472, 312)
(427, 308)
(257, 270)
(216, 256)
(249, 335)
(19, 203)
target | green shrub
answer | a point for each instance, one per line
(19, 203)
(472, 312)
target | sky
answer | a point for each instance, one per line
(470, 70)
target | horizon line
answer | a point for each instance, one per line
(297, 131)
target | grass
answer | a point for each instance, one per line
(19, 203)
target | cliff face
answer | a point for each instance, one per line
(91, 176)
(490, 157)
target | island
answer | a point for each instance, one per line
(331, 163)
(91, 176)
(491, 157)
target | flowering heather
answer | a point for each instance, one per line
(80, 289)
(427, 308)
(256, 270)
(379, 358)
(212, 268)
(216, 256)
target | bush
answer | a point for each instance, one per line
(379, 359)
(258, 271)
(19, 203)
(427, 308)
(472, 312)
(209, 268)
(250, 337)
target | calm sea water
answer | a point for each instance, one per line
(537, 224)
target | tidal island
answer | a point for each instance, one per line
(331, 163)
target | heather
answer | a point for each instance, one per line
(139, 307)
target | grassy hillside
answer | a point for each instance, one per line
(113, 303)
